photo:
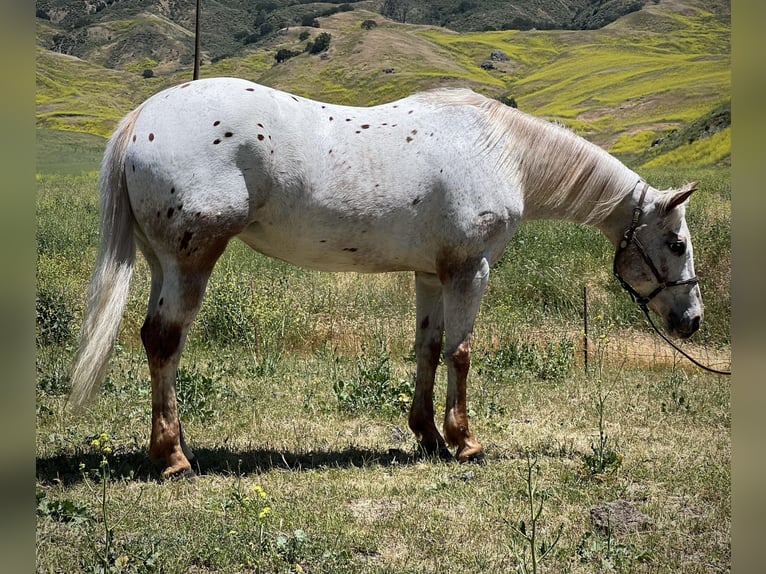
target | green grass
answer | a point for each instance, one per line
(67, 152)
(296, 382)
(349, 488)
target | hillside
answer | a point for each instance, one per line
(119, 33)
(624, 86)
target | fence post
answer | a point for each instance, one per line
(197, 55)
(585, 327)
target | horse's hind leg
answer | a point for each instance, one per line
(428, 345)
(175, 299)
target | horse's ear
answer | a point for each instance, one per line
(679, 196)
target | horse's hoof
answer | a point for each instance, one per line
(446, 455)
(436, 452)
(477, 457)
(180, 474)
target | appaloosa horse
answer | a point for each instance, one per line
(435, 183)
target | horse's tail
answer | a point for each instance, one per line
(108, 290)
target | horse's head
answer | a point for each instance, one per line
(654, 259)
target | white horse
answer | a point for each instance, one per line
(436, 183)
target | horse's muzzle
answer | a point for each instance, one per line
(683, 326)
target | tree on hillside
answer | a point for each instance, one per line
(396, 9)
(319, 44)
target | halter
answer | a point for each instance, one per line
(642, 300)
(630, 237)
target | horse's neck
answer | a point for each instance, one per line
(565, 177)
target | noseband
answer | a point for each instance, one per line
(630, 237)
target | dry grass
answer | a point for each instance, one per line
(347, 492)
(367, 503)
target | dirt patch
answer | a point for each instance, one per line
(371, 510)
(619, 516)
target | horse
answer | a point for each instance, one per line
(435, 183)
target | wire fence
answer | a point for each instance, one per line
(593, 344)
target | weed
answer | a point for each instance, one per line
(678, 401)
(196, 394)
(63, 510)
(607, 554)
(533, 549)
(54, 318)
(552, 362)
(52, 371)
(291, 547)
(603, 457)
(373, 386)
(227, 316)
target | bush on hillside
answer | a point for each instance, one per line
(319, 44)
(285, 54)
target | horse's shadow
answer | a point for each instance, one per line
(70, 468)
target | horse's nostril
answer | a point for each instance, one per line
(695, 323)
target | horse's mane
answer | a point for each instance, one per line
(562, 175)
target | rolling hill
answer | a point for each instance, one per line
(118, 33)
(631, 86)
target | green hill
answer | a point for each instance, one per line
(649, 74)
(117, 33)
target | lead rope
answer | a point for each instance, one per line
(677, 348)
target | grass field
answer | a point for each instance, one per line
(295, 384)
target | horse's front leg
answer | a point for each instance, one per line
(428, 346)
(463, 290)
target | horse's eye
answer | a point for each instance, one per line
(677, 247)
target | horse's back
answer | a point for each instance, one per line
(320, 185)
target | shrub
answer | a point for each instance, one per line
(227, 316)
(369, 24)
(284, 54)
(196, 394)
(373, 386)
(508, 101)
(319, 44)
(54, 318)
(553, 362)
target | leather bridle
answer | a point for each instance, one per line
(630, 237)
(642, 300)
